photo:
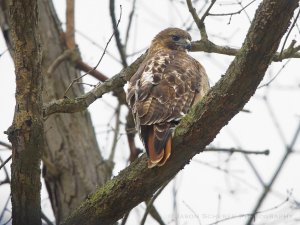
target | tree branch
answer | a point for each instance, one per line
(210, 47)
(233, 150)
(70, 24)
(81, 103)
(90, 70)
(200, 22)
(117, 33)
(198, 128)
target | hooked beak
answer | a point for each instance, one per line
(186, 44)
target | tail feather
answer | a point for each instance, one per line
(154, 155)
(157, 139)
(167, 152)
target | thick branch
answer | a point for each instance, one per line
(137, 183)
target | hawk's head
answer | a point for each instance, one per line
(172, 38)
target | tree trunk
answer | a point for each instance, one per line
(71, 142)
(73, 165)
(25, 134)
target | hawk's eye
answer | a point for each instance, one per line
(175, 38)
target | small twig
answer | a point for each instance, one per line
(174, 198)
(233, 13)
(7, 179)
(219, 205)
(227, 172)
(150, 203)
(2, 53)
(258, 176)
(116, 31)
(5, 145)
(70, 19)
(4, 207)
(3, 163)
(83, 83)
(64, 56)
(276, 75)
(93, 42)
(233, 150)
(116, 133)
(193, 211)
(46, 219)
(125, 217)
(95, 67)
(130, 18)
(289, 32)
(207, 11)
(6, 161)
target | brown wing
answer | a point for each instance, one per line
(161, 92)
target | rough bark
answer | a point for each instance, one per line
(25, 134)
(137, 183)
(73, 165)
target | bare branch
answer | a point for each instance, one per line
(70, 26)
(104, 51)
(258, 176)
(116, 135)
(193, 211)
(129, 23)
(116, 31)
(6, 161)
(207, 11)
(82, 102)
(46, 219)
(210, 47)
(5, 145)
(88, 69)
(199, 22)
(233, 150)
(275, 76)
(288, 34)
(150, 203)
(233, 13)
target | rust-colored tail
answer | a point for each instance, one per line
(158, 141)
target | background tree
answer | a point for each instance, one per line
(72, 163)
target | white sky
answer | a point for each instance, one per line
(198, 186)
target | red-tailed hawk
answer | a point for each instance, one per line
(164, 88)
